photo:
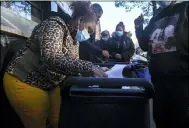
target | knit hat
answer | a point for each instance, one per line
(121, 24)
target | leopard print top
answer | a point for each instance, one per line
(49, 55)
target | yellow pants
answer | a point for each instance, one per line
(33, 105)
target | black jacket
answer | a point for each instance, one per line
(166, 39)
(121, 45)
(87, 49)
(102, 44)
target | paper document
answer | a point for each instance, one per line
(116, 71)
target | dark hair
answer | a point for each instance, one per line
(97, 8)
(81, 9)
(121, 24)
(103, 33)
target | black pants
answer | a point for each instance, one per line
(171, 102)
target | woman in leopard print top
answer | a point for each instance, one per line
(51, 53)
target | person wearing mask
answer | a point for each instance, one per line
(98, 11)
(87, 49)
(102, 44)
(123, 26)
(121, 46)
(165, 38)
(31, 81)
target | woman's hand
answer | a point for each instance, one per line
(139, 21)
(99, 73)
(104, 69)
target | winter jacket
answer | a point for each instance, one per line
(104, 45)
(121, 45)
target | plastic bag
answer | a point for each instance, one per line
(143, 73)
(139, 58)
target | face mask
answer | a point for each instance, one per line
(104, 38)
(82, 35)
(119, 33)
(163, 4)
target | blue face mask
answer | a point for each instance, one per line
(82, 35)
(119, 33)
(163, 4)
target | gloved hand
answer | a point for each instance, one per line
(141, 71)
(139, 21)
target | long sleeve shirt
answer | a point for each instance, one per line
(49, 55)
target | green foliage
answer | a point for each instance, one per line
(148, 8)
